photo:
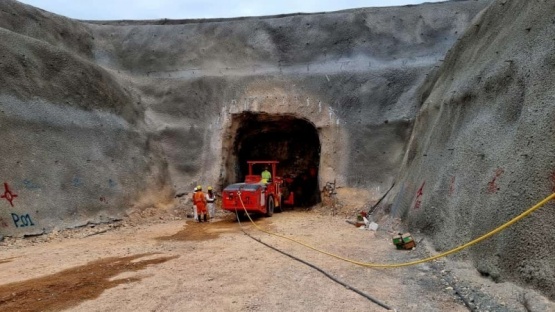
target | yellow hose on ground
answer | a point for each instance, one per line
(397, 265)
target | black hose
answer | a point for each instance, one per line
(319, 270)
(460, 295)
(379, 201)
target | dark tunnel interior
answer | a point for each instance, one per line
(292, 141)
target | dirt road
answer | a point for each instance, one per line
(181, 265)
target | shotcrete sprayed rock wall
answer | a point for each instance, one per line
(98, 117)
(74, 145)
(350, 74)
(482, 148)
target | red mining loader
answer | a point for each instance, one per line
(254, 194)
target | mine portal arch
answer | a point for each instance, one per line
(291, 140)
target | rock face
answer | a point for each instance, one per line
(75, 148)
(481, 151)
(216, 91)
(97, 118)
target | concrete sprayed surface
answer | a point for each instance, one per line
(482, 148)
(449, 102)
(101, 117)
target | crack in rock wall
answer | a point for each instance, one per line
(482, 147)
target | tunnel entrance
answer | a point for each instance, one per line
(292, 141)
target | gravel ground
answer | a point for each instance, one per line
(181, 265)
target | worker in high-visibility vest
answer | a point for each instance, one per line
(194, 205)
(200, 200)
(210, 202)
(266, 175)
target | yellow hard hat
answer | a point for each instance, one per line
(209, 188)
(199, 187)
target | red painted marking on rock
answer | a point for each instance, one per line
(8, 195)
(492, 186)
(419, 194)
(421, 190)
(452, 186)
(552, 179)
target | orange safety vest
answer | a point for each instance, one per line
(200, 200)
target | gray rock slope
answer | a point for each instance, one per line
(481, 151)
(97, 118)
(74, 146)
